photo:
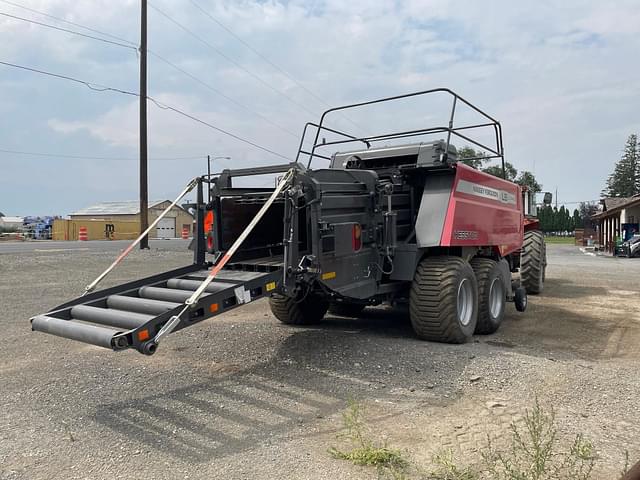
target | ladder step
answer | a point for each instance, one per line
(81, 332)
(140, 305)
(113, 318)
(193, 285)
(165, 294)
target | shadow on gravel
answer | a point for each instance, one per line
(561, 288)
(376, 321)
(555, 332)
(312, 375)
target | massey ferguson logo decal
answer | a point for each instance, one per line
(483, 191)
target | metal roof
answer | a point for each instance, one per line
(5, 219)
(615, 204)
(131, 207)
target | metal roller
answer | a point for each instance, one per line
(140, 305)
(114, 318)
(165, 294)
(81, 332)
(194, 284)
(229, 276)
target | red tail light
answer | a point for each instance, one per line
(208, 229)
(356, 239)
(208, 221)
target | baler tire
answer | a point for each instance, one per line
(308, 311)
(492, 295)
(434, 300)
(533, 262)
(346, 309)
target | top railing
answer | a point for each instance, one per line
(494, 150)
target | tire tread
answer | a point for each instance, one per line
(533, 262)
(433, 299)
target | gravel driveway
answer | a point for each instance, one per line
(242, 396)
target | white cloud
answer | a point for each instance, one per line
(553, 74)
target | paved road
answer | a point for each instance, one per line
(175, 244)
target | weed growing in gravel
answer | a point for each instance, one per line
(365, 450)
(535, 454)
(447, 469)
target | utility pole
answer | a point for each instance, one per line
(556, 198)
(144, 191)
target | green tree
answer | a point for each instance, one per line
(545, 215)
(625, 179)
(528, 179)
(588, 210)
(471, 157)
(577, 219)
(496, 171)
(555, 224)
(477, 159)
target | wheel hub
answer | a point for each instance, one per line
(465, 301)
(496, 297)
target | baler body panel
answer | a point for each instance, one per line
(340, 204)
(483, 211)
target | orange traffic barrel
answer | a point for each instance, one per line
(185, 233)
(82, 234)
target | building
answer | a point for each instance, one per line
(619, 219)
(11, 223)
(170, 226)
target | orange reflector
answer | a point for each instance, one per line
(213, 307)
(270, 286)
(143, 335)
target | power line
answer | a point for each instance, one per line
(164, 106)
(218, 92)
(73, 32)
(89, 157)
(193, 77)
(247, 45)
(267, 60)
(134, 46)
(104, 88)
(104, 34)
(229, 59)
(581, 201)
(93, 86)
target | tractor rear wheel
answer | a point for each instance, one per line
(443, 304)
(492, 295)
(311, 309)
(533, 262)
(346, 309)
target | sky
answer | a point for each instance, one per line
(563, 79)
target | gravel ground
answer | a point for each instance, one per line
(241, 396)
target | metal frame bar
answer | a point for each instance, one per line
(497, 150)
